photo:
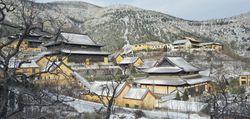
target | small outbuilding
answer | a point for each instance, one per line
(139, 98)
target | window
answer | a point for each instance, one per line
(136, 106)
(243, 82)
(243, 77)
(126, 105)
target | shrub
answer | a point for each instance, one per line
(185, 96)
(92, 115)
(178, 97)
(139, 114)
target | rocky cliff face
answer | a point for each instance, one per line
(114, 24)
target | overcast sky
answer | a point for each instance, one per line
(187, 9)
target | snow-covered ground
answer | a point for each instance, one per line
(86, 106)
(83, 106)
(183, 106)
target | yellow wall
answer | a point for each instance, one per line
(118, 59)
(214, 47)
(33, 49)
(147, 103)
(159, 89)
(217, 48)
(25, 47)
(94, 98)
(42, 62)
(105, 60)
(28, 71)
(138, 62)
(62, 72)
(139, 47)
(119, 99)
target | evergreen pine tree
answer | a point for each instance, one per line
(178, 97)
(185, 96)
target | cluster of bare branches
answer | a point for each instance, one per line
(107, 93)
(224, 103)
(17, 90)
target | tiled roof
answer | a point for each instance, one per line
(177, 42)
(128, 60)
(148, 64)
(181, 63)
(84, 52)
(106, 88)
(172, 80)
(81, 39)
(163, 70)
(161, 80)
(72, 38)
(136, 93)
(197, 80)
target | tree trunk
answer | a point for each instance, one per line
(4, 101)
(108, 112)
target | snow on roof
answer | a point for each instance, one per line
(178, 42)
(136, 93)
(161, 70)
(128, 60)
(148, 64)
(84, 52)
(78, 39)
(51, 66)
(198, 80)
(40, 55)
(172, 80)
(245, 73)
(106, 88)
(29, 64)
(161, 80)
(180, 62)
(210, 43)
(72, 38)
(82, 80)
(205, 72)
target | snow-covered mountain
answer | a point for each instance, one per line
(112, 25)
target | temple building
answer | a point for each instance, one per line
(173, 74)
(186, 44)
(124, 94)
(244, 79)
(32, 42)
(212, 46)
(79, 48)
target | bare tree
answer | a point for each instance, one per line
(224, 103)
(17, 90)
(107, 93)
